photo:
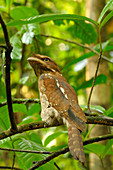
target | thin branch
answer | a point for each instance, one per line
(3, 46)
(97, 68)
(19, 101)
(103, 120)
(8, 167)
(65, 150)
(81, 45)
(26, 151)
(7, 76)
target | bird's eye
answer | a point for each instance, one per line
(46, 59)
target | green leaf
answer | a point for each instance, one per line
(23, 12)
(19, 108)
(34, 108)
(4, 118)
(26, 159)
(95, 148)
(99, 80)
(95, 108)
(33, 136)
(107, 148)
(109, 112)
(106, 19)
(105, 9)
(26, 120)
(84, 31)
(52, 137)
(16, 54)
(49, 17)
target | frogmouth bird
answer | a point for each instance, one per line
(59, 102)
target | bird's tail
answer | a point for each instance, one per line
(76, 144)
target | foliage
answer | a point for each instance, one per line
(26, 23)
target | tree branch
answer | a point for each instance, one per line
(76, 43)
(19, 101)
(103, 120)
(8, 167)
(7, 75)
(65, 150)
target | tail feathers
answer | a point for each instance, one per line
(76, 144)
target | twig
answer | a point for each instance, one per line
(8, 167)
(65, 150)
(56, 166)
(26, 151)
(97, 68)
(39, 125)
(3, 46)
(19, 101)
(7, 76)
(81, 45)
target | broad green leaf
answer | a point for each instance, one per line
(27, 119)
(52, 137)
(26, 159)
(16, 54)
(49, 17)
(4, 118)
(34, 108)
(109, 112)
(23, 12)
(19, 108)
(106, 19)
(84, 31)
(95, 108)
(95, 148)
(105, 9)
(33, 136)
(107, 148)
(99, 80)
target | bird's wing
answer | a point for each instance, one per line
(63, 98)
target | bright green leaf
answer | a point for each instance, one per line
(52, 137)
(19, 108)
(107, 148)
(106, 19)
(105, 9)
(23, 12)
(84, 31)
(95, 108)
(109, 112)
(26, 159)
(34, 108)
(4, 118)
(49, 17)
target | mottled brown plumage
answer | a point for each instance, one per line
(59, 102)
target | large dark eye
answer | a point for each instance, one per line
(46, 59)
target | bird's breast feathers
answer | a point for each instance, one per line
(57, 98)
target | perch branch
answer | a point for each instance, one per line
(38, 125)
(7, 75)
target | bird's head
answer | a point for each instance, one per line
(43, 64)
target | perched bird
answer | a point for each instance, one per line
(59, 102)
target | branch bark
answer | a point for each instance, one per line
(39, 125)
(7, 75)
